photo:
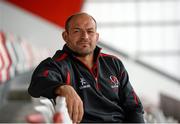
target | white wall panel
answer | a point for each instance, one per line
(111, 12)
(151, 38)
(157, 11)
(120, 38)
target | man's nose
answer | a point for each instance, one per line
(84, 35)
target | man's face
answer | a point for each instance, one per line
(81, 36)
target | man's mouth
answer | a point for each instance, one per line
(83, 43)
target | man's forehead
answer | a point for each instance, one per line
(87, 23)
(83, 26)
(82, 18)
(80, 15)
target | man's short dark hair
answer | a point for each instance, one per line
(67, 23)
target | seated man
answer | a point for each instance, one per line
(96, 85)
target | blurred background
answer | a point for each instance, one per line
(144, 34)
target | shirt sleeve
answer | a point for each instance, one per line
(131, 102)
(45, 79)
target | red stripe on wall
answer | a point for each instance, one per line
(56, 11)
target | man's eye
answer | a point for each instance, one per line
(90, 31)
(76, 31)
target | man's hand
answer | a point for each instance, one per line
(74, 102)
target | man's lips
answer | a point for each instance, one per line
(83, 43)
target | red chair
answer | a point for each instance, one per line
(5, 58)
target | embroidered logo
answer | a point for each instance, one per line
(84, 84)
(114, 82)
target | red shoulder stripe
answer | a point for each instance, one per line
(45, 73)
(135, 97)
(61, 57)
(103, 54)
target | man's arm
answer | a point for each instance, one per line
(45, 79)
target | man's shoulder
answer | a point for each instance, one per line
(57, 57)
(60, 55)
(108, 56)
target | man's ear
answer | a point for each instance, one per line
(64, 35)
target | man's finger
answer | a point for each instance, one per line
(81, 111)
(70, 108)
(75, 112)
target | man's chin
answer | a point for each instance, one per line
(84, 53)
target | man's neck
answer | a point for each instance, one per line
(87, 60)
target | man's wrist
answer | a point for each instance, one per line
(58, 90)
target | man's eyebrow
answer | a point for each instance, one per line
(90, 28)
(76, 28)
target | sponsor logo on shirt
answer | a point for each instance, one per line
(84, 84)
(114, 82)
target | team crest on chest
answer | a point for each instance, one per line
(114, 81)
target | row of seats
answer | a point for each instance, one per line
(17, 56)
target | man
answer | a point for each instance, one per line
(96, 85)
